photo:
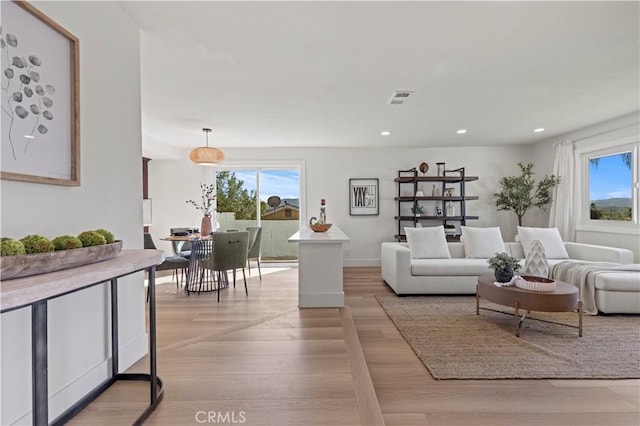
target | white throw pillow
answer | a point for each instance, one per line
(427, 243)
(549, 237)
(482, 243)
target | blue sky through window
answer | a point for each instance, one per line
(610, 179)
(283, 183)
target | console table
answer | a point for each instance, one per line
(36, 290)
(320, 267)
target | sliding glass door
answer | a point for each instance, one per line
(266, 197)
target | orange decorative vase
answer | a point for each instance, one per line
(205, 225)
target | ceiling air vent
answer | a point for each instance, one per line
(399, 97)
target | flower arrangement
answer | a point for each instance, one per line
(503, 262)
(208, 197)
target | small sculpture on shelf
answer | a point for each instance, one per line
(438, 211)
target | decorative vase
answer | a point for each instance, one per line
(536, 261)
(503, 276)
(205, 225)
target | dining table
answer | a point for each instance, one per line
(199, 278)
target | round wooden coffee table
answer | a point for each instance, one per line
(563, 299)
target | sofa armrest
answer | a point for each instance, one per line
(396, 264)
(595, 253)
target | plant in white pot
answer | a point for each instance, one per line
(504, 266)
(417, 209)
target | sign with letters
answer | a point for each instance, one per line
(363, 197)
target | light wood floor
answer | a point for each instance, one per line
(261, 360)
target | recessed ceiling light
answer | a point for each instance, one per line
(539, 129)
(29, 137)
(461, 131)
(385, 133)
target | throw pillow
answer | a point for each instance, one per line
(427, 243)
(549, 237)
(482, 243)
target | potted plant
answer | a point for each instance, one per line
(417, 209)
(504, 266)
(519, 193)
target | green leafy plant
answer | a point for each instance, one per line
(66, 242)
(91, 238)
(37, 244)
(417, 209)
(9, 247)
(519, 193)
(503, 262)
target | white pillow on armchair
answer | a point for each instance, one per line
(549, 237)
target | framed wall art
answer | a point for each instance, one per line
(363, 197)
(40, 91)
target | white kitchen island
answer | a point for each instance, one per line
(320, 267)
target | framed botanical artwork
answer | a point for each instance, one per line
(40, 98)
(363, 197)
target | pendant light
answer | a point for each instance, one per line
(206, 156)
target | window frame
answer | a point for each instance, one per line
(583, 158)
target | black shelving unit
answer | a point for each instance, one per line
(410, 177)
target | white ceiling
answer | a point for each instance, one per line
(310, 74)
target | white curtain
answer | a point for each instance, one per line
(562, 206)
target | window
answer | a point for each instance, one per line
(612, 185)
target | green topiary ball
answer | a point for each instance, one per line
(91, 238)
(66, 242)
(9, 247)
(37, 244)
(106, 234)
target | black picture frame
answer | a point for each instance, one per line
(364, 197)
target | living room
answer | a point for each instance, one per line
(117, 129)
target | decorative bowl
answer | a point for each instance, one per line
(320, 227)
(531, 283)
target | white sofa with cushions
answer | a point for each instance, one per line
(434, 266)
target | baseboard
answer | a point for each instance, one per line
(84, 384)
(361, 262)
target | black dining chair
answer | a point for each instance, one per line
(174, 263)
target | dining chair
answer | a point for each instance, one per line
(255, 241)
(228, 252)
(181, 248)
(174, 263)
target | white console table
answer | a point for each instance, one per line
(320, 267)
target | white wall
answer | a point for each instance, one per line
(327, 172)
(599, 135)
(109, 197)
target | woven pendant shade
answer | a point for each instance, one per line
(206, 156)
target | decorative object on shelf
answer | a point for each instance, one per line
(417, 209)
(531, 283)
(40, 98)
(419, 194)
(450, 209)
(206, 207)
(434, 191)
(504, 266)
(205, 155)
(519, 193)
(535, 262)
(449, 192)
(450, 229)
(424, 168)
(438, 211)
(363, 197)
(440, 168)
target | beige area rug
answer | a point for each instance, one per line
(454, 343)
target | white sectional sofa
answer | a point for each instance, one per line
(458, 275)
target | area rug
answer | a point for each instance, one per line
(455, 343)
